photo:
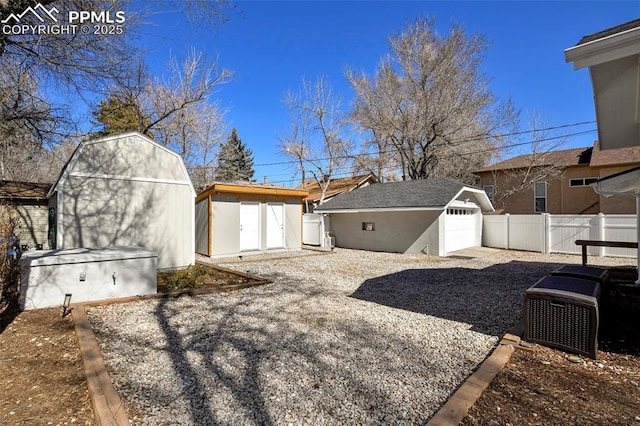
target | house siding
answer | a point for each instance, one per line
(396, 232)
(562, 198)
(618, 204)
(33, 224)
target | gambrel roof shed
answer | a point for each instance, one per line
(126, 190)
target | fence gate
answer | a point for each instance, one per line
(312, 229)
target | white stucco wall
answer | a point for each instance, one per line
(396, 232)
(87, 274)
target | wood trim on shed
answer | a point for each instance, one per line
(209, 227)
(230, 189)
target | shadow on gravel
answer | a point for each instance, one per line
(489, 299)
(278, 355)
(294, 352)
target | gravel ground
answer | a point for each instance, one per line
(351, 337)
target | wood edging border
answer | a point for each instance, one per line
(240, 262)
(458, 405)
(108, 407)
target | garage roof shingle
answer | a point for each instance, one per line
(414, 193)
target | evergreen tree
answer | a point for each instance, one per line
(234, 160)
(117, 115)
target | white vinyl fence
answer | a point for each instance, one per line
(550, 233)
(312, 229)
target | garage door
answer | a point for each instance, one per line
(249, 226)
(275, 225)
(459, 229)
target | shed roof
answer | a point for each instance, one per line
(425, 194)
(68, 169)
(14, 190)
(251, 188)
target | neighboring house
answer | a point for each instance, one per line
(241, 218)
(433, 216)
(126, 190)
(569, 194)
(336, 186)
(30, 202)
(613, 59)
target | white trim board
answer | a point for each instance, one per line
(129, 178)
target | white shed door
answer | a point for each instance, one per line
(249, 226)
(275, 225)
(459, 229)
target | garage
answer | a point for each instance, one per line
(430, 216)
(245, 217)
(460, 228)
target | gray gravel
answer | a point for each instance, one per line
(351, 337)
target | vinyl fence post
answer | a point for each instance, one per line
(547, 232)
(506, 242)
(601, 233)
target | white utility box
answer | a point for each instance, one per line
(87, 274)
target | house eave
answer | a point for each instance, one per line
(606, 49)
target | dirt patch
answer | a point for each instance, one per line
(197, 277)
(41, 379)
(544, 387)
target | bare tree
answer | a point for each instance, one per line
(542, 164)
(428, 109)
(210, 130)
(27, 119)
(40, 69)
(317, 137)
(172, 103)
(175, 110)
(9, 267)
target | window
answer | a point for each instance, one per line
(459, 212)
(368, 226)
(490, 191)
(582, 182)
(540, 196)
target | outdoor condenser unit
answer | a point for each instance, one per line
(562, 312)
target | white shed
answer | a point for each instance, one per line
(236, 218)
(433, 216)
(125, 190)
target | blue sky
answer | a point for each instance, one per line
(271, 45)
